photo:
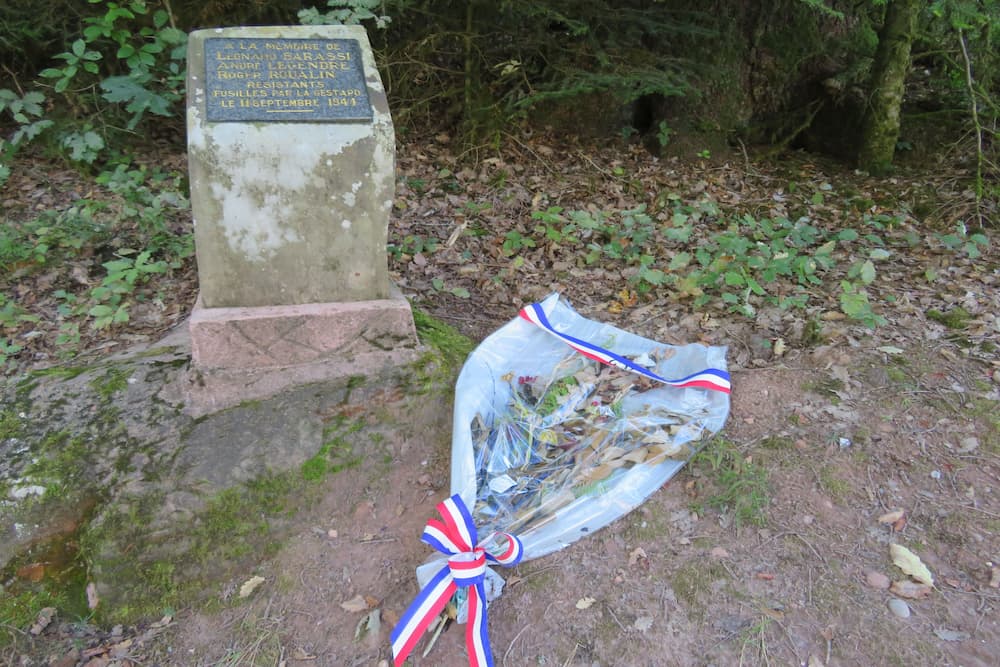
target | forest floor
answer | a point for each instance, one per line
(864, 415)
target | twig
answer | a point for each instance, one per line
(545, 164)
(571, 655)
(442, 621)
(170, 14)
(975, 122)
(511, 646)
(612, 612)
(802, 127)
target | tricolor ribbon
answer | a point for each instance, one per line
(456, 537)
(709, 378)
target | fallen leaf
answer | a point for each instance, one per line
(354, 605)
(891, 517)
(121, 649)
(637, 554)
(301, 654)
(995, 577)
(765, 576)
(775, 614)
(34, 572)
(371, 624)
(890, 349)
(910, 563)
(718, 552)
(950, 635)
(909, 589)
(779, 347)
(42, 620)
(643, 623)
(967, 445)
(162, 623)
(250, 585)
(585, 603)
(391, 616)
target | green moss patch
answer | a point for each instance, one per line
(956, 318)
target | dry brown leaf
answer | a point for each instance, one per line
(891, 517)
(910, 563)
(250, 585)
(775, 614)
(354, 605)
(910, 589)
(42, 621)
(995, 577)
(636, 555)
(301, 654)
(585, 603)
(34, 572)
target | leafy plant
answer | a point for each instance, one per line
(27, 111)
(136, 59)
(346, 12)
(962, 240)
(411, 245)
(854, 303)
(663, 132)
(514, 241)
(124, 275)
(439, 286)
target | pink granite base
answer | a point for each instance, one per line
(240, 354)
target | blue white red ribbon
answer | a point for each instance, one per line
(709, 378)
(456, 537)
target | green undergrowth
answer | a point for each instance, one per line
(737, 484)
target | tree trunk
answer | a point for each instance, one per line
(892, 61)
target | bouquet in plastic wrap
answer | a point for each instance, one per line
(561, 426)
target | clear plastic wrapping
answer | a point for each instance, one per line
(551, 445)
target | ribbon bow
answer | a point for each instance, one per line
(456, 537)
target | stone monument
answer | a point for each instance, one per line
(291, 151)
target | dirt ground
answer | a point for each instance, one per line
(772, 547)
(673, 584)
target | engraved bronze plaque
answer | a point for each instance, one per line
(285, 80)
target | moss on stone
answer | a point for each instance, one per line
(451, 344)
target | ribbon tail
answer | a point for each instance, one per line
(710, 378)
(421, 612)
(477, 639)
